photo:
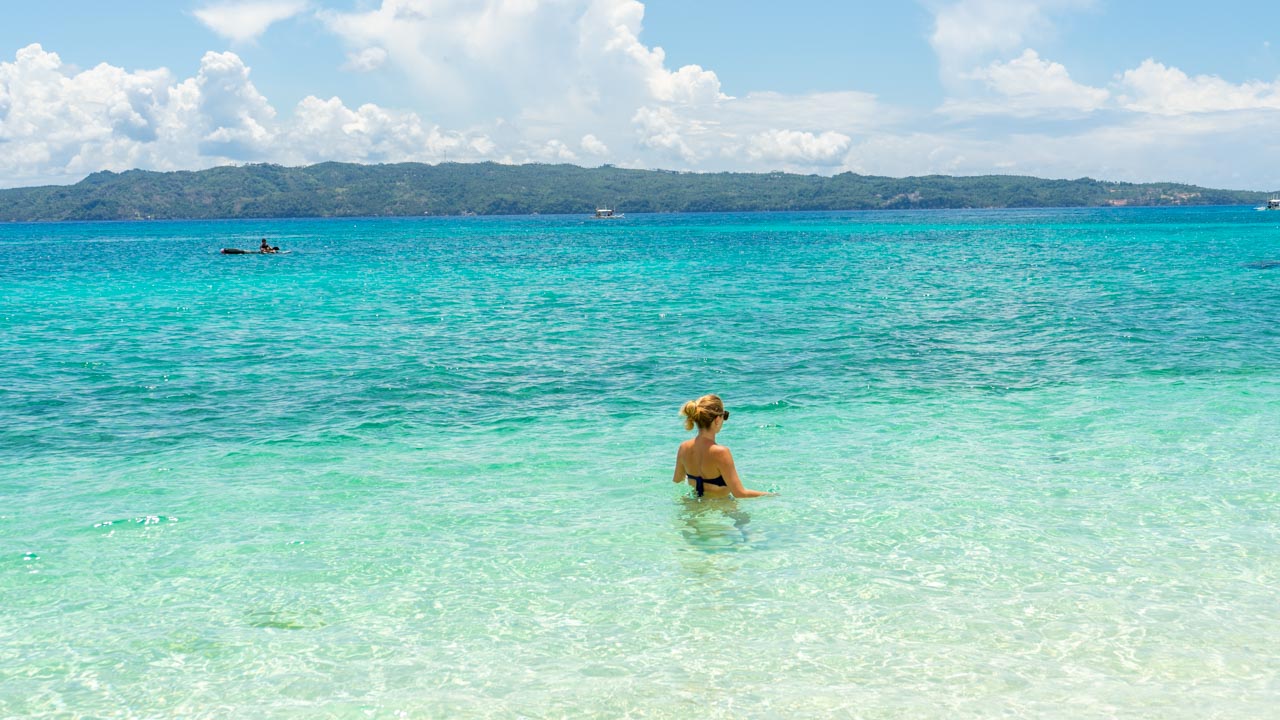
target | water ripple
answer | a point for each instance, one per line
(1024, 463)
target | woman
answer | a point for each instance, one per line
(706, 466)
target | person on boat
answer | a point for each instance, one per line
(701, 462)
(265, 248)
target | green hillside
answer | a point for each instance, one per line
(339, 189)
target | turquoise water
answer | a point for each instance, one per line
(421, 467)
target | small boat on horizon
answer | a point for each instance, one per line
(1272, 204)
(603, 213)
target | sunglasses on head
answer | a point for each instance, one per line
(725, 414)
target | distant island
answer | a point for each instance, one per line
(415, 189)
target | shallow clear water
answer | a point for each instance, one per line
(1026, 461)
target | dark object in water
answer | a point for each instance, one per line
(238, 251)
(1263, 265)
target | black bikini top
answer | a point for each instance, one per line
(706, 481)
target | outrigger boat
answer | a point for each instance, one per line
(264, 249)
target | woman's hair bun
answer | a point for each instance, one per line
(690, 412)
(702, 412)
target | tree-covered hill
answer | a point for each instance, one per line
(339, 189)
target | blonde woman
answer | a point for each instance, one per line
(705, 465)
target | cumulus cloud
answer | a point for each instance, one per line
(1155, 88)
(690, 85)
(609, 31)
(247, 21)
(554, 151)
(1201, 149)
(574, 81)
(552, 71)
(762, 130)
(792, 147)
(226, 110)
(516, 79)
(52, 123)
(57, 124)
(661, 129)
(558, 69)
(324, 130)
(467, 58)
(592, 145)
(968, 32)
(1029, 85)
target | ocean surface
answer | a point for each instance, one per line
(1027, 461)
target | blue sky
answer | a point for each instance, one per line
(1054, 88)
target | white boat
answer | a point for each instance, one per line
(1272, 204)
(607, 214)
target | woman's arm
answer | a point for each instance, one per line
(729, 472)
(679, 476)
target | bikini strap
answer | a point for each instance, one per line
(697, 483)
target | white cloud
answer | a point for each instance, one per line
(247, 21)
(557, 69)
(792, 147)
(573, 81)
(1210, 150)
(1154, 88)
(230, 115)
(968, 32)
(366, 60)
(592, 145)
(610, 30)
(847, 111)
(515, 79)
(661, 129)
(470, 59)
(973, 28)
(553, 71)
(1028, 85)
(60, 123)
(690, 85)
(761, 130)
(57, 125)
(324, 130)
(554, 151)
(53, 123)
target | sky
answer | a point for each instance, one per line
(1109, 89)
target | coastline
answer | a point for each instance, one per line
(490, 189)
